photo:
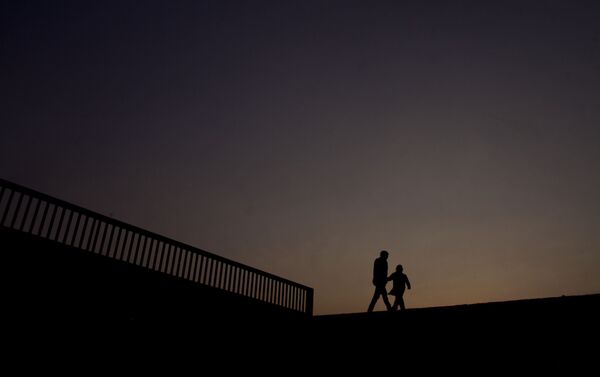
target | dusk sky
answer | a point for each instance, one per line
(303, 137)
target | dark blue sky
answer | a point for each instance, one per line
(303, 137)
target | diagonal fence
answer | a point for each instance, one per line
(29, 211)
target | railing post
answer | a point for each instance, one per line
(310, 294)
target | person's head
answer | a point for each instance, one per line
(399, 268)
(384, 254)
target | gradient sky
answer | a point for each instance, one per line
(303, 137)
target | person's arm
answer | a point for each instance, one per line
(407, 282)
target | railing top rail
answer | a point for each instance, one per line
(87, 212)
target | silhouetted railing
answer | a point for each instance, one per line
(35, 213)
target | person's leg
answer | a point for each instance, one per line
(373, 300)
(396, 303)
(385, 298)
(401, 299)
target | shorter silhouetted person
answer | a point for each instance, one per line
(380, 270)
(400, 282)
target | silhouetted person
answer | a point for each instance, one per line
(400, 282)
(380, 269)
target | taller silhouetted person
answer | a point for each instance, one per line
(400, 282)
(380, 270)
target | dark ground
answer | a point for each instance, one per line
(65, 318)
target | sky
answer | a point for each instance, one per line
(303, 137)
